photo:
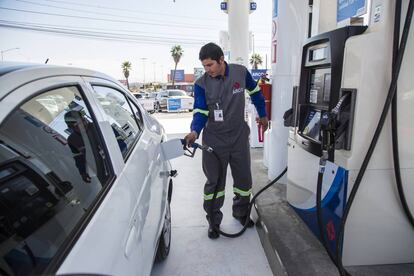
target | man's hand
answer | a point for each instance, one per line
(264, 122)
(190, 138)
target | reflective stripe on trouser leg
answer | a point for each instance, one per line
(210, 168)
(242, 177)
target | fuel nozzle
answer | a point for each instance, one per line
(190, 151)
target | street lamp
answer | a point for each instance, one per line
(7, 50)
(143, 64)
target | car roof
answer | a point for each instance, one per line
(14, 75)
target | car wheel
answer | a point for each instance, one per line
(165, 238)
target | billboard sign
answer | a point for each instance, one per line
(179, 75)
(257, 73)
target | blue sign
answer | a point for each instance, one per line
(257, 73)
(179, 75)
(253, 6)
(349, 8)
(275, 11)
(173, 104)
(223, 6)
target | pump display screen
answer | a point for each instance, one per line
(318, 54)
(312, 124)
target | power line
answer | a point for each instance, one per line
(83, 31)
(93, 12)
(106, 36)
(102, 19)
(126, 10)
(118, 31)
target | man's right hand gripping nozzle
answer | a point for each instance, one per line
(190, 138)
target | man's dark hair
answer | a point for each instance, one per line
(211, 50)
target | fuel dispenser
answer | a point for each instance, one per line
(317, 95)
(345, 74)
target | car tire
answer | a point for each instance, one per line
(165, 238)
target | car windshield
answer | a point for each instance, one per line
(176, 93)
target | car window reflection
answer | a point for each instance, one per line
(52, 167)
(122, 115)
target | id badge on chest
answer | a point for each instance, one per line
(218, 114)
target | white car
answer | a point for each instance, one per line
(174, 100)
(84, 188)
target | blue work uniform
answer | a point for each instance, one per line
(219, 110)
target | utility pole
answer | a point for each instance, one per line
(7, 50)
(153, 65)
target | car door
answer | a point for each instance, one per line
(55, 177)
(143, 165)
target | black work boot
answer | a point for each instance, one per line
(242, 221)
(212, 232)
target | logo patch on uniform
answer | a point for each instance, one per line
(237, 88)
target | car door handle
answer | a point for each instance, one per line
(130, 241)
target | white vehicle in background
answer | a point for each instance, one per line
(147, 103)
(84, 187)
(174, 100)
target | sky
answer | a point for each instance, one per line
(101, 34)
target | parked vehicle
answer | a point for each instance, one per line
(83, 186)
(174, 100)
(146, 102)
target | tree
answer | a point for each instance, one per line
(176, 53)
(126, 67)
(255, 60)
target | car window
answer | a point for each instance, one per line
(126, 123)
(176, 93)
(52, 168)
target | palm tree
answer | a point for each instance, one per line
(126, 67)
(255, 60)
(176, 53)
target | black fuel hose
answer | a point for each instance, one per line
(251, 203)
(394, 121)
(387, 104)
(220, 172)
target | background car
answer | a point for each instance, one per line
(83, 185)
(174, 100)
(146, 102)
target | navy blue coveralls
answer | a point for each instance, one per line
(229, 138)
